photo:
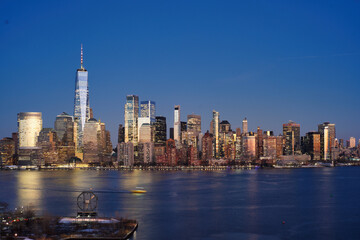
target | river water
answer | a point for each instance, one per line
(322, 203)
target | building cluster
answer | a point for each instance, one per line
(143, 138)
(77, 138)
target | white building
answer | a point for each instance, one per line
(29, 127)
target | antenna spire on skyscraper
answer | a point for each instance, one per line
(82, 58)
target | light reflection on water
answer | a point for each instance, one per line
(242, 204)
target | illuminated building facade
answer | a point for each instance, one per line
(91, 141)
(177, 124)
(352, 142)
(249, 146)
(131, 119)
(215, 126)
(327, 139)
(146, 153)
(160, 131)
(259, 143)
(147, 115)
(207, 147)
(64, 127)
(81, 103)
(47, 140)
(146, 133)
(194, 124)
(171, 157)
(7, 151)
(269, 146)
(291, 132)
(148, 110)
(245, 126)
(29, 127)
(311, 145)
(125, 154)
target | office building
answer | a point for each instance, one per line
(327, 139)
(194, 124)
(291, 132)
(160, 131)
(29, 127)
(311, 145)
(91, 141)
(245, 126)
(47, 141)
(216, 131)
(131, 119)
(352, 142)
(146, 153)
(177, 124)
(64, 127)
(81, 103)
(146, 133)
(207, 147)
(224, 126)
(148, 110)
(125, 154)
(121, 134)
(7, 151)
(147, 115)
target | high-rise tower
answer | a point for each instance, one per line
(29, 127)
(327, 139)
(131, 119)
(177, 124)
(216, 125)
(291, 133)
(245, 126)
(147, 114)
(81, 104)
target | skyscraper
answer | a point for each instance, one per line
(81, 104)
(160, 131)
(121, 134)
(216, 125)
(91, 141)
(29, 127)
(327, 139)
(311, 145)
(194, 124)
(291, 132)
(245, 126)
(147, 115)
(64, 127)
(131, 119)
(207, 147)
(352, 142)
(147, 110)
(177, 124)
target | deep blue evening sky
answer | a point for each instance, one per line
(269, 61)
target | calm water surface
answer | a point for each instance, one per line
(243, 204)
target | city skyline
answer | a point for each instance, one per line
(237, 80)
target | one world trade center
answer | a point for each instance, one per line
(81, 104)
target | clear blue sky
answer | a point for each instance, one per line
(269, 61)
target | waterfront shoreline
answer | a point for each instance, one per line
(170, 168)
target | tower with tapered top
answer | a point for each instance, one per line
(81, 103)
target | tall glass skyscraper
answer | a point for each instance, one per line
(147, 110)
(147, 114)
(131, 119)
(177, 124)
(216, 124)
(81, 104)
